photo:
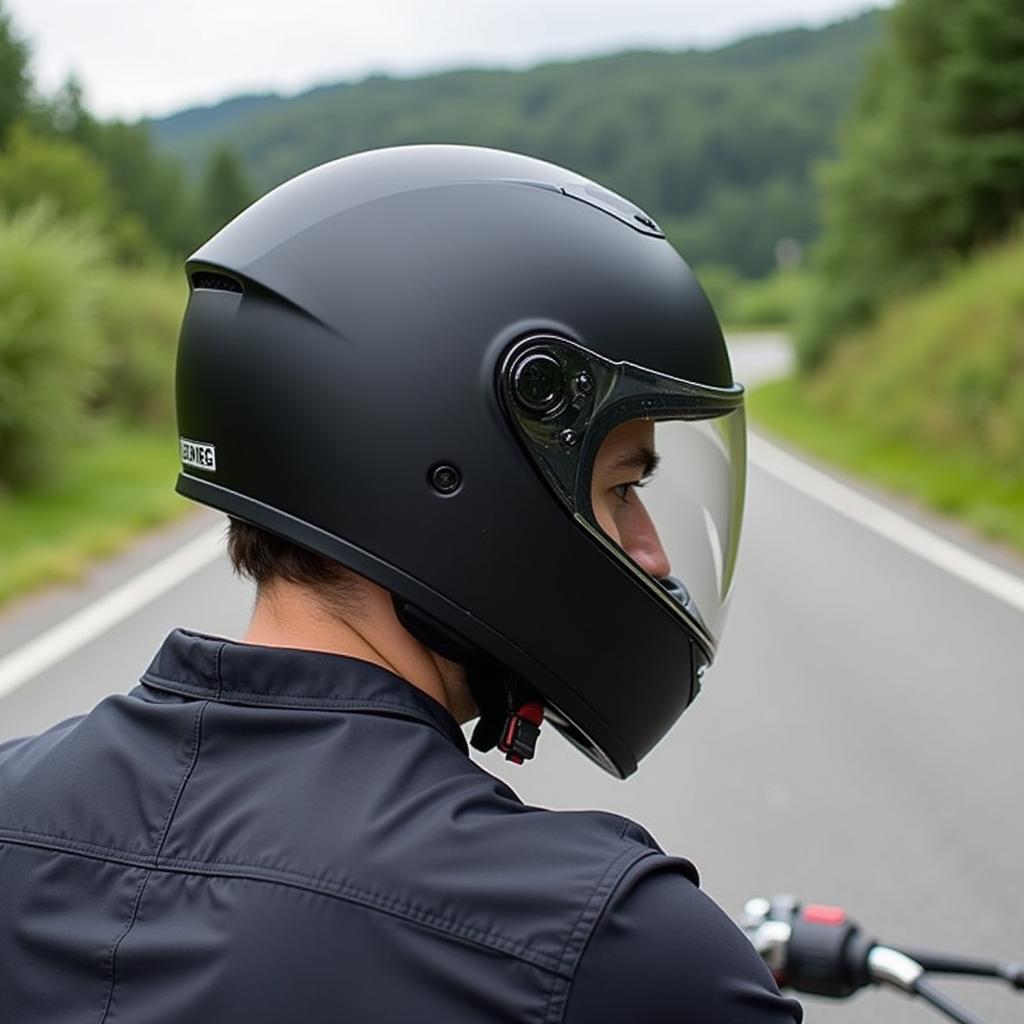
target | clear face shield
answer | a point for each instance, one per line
(653, 467)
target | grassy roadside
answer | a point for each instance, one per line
(116, 487)
(985, 495)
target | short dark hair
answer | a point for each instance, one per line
(264, 558)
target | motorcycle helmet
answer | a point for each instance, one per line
(452, 369)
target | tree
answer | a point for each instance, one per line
(225, 191)
(67, 115)
(148, 185)
(932, 163)
(14, 75)
(716, 146)
(55, 171)
(50, 350)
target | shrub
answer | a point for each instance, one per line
(139, 315)
(49, 351)
(34, 169)
(775, 301)
(944, 368)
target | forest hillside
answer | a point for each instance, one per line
(719, 145)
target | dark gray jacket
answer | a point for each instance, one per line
(257, 834)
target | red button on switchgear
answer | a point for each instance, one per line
(818, 913)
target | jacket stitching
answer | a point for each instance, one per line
(600, 893)
(220, 677)
(324, 703)
(165, 828)
(347, 893)
(557, 1019)
(196, 736)
(117, 945)
(590, 914)
(285, 699)
(177, 686)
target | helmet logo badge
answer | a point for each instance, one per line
(199, 454)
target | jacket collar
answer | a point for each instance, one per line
(212, 668)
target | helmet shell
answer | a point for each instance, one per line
(373, 299)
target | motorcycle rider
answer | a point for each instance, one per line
(428, 385)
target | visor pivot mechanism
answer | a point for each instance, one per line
(519, 735)
(584, 383)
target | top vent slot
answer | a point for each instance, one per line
(215, 282)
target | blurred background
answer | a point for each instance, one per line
(848, 182)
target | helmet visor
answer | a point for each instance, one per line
(651, 465)
(668, 495)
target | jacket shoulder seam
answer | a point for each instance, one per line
(165, 828)
(319, 886)
(576, 942)
(197, 731)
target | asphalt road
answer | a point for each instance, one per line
(860, 740)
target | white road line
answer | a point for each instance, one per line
(68, 636)
(1005, 586)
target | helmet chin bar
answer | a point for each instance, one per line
(563, 399)
(511, 711)
(676, 589)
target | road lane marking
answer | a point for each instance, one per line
(75, 632)
(997, 582)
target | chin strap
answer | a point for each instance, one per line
(510, 711)
(522, 728)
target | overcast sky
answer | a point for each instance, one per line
(152, 57)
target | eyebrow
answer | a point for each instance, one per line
(641, 457)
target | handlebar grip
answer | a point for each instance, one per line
(818, 950)
(828, 953)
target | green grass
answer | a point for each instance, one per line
(927, 401)
(117, 486)
(987, 494)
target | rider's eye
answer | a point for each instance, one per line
(622, 491)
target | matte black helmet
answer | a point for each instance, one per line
(450, 369)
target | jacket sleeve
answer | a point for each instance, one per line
(664, 953)
(9, 748)
(16, 753)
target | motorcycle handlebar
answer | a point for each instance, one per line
(819, 950)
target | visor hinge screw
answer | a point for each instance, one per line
(568, 438)
(584, 383)
(446, 479)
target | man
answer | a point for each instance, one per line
(427, 384)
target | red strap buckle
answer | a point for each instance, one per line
(519, 737)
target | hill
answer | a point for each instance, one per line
(929, 401)
(719, 145)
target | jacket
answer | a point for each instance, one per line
(258, 834)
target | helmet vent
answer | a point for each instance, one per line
(215, 282)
